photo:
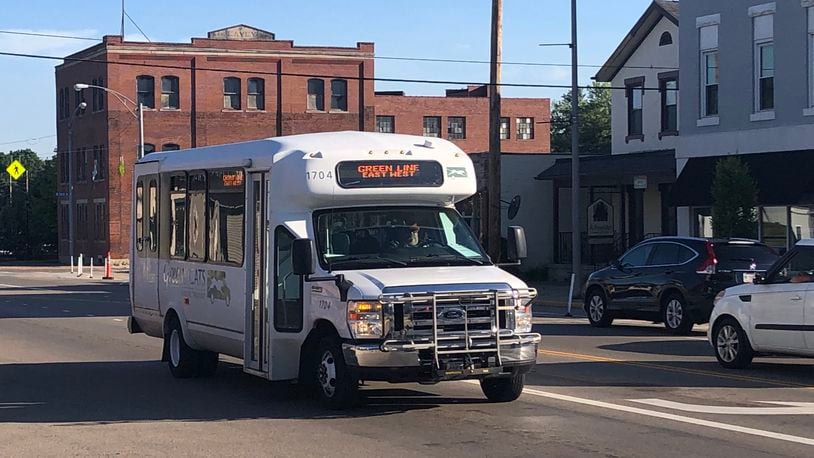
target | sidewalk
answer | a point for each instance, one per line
(553, 294)
(64, 272)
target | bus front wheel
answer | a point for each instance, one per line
(338, 389)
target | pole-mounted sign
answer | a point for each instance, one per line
(15, 169)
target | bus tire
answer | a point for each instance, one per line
(503, 389)
(207, 363)
(337, 387)
(182, 359)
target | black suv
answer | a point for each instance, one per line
(672, 280)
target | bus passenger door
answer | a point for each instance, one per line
(255, 338)
(145, 270)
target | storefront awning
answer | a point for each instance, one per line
(783, 178)
(621, 167)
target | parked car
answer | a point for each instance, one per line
(672, 280)
(774, 315)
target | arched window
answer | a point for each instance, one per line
(169, 92)
(231, 93)
(339, 95)
(666, 39)
(149, 148)
(316, 94)
(145, 90)
(257, 94)
(170, 147)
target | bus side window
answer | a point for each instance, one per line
(288, 287)
(178, 216)
(153, 216)
(140, 215)
(196, 216)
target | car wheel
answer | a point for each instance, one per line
(732, 347)
(596, 306)
(338, 389)
(182, 359)
(503, 389)
(675, 315)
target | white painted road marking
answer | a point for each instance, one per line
(669, 416)
(790, 408)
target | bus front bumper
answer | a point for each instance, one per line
(415, 361)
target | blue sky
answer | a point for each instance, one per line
(451, 29)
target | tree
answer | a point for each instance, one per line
(734, 197)
(595, 121)
(28, 220)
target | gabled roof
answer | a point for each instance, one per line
(655, 12)
(240, 32)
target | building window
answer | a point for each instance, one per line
(81, 164)
(100, 221)
(504, 128)
(316, 94)
(257, 94)
(81, 220)
(635, 96)
(710, 69)
(339, 95)
(525, 128)
(79, 98)
(231, 93)
(63, 218)
(456, 129)
(432, 126)
(668, 88)
(170, 147)
(666, 39)
(810, 13)
(99, 163)
(63, 168)
(97, 95)
(149, 148)
(385, 124)
(145, 91)
(763, 32)
(169, 93)
(61, 104)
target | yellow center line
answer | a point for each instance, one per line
(741, 378)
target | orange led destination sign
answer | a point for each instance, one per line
(389, 174)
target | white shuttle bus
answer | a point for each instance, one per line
(328, 258)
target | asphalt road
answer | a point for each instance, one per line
(74, 382)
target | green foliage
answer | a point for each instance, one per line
(734, 197)
(595, 121)
(28, 220)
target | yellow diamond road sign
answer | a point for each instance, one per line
(15, 169)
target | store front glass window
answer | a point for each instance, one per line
(774, 227)
(802, 223)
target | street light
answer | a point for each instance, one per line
(137, 111)
(71, 229)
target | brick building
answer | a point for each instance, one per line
(239, 83)
(462, 116)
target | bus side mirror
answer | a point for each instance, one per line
(516, 250)
(302, 256)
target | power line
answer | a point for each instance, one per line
(139, 28)
(315, 75)
(47, 35)
(26, 140)
(407, 58)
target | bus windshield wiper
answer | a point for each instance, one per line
(456, 256)
(368, 258)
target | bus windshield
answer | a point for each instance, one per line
(392, 237)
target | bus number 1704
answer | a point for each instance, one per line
(319, 175)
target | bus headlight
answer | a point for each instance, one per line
(365, 319)
(522, 316)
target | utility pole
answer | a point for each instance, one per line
(493, 168)
(576, 205)
(122, 29)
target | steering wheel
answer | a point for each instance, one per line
(432, 243)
